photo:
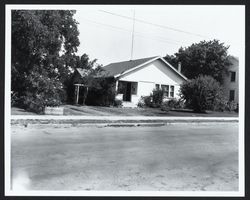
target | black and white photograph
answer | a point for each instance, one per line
(124, 100)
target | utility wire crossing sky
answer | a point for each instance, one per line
(113, 33)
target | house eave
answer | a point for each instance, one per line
(158, 57)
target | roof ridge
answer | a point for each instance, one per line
(134, 60)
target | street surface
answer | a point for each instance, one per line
(176, 157)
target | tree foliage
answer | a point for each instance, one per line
(201, 93)
(102, 92)
(43, 47)
(206, 57)
(172, 60)
(91, 68)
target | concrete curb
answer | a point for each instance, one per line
(115, 121)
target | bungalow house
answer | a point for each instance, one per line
(137, 78)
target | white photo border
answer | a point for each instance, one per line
(7, 117)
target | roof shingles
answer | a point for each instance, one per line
(114, 69)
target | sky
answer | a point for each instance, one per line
(106, 31)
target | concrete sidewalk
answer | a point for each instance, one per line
(112, 120)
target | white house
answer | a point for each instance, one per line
(231, 81)
(137, 78)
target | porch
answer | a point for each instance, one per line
(127, 92)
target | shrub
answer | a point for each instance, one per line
(101, 92)
(165, 106)
(225, 105)
(157, 97)
(42, 91)
(14, 99)
(141, 103)
(176, 104)
(221, 105)
(201, 93)
(171, 104)
(232, 106)
(145, 101)
(118, 103)
(154, 100)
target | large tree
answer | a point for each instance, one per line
(43, 47)
(42, 38)
(206, 57)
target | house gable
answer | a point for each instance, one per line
(155, 72)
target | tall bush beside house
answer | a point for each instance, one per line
(102, 92)
(157, 97)
(201, 93)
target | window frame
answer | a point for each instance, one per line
(233, 76)
(171, 92)
(165, 90)
(231, 94)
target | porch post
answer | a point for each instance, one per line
(77, 94)
(116, 85)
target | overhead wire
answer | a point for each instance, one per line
(153, 24)
(161, 39)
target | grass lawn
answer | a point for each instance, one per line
(111, 111)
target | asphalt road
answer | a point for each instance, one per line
(169, 158)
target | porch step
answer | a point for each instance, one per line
(126, 104)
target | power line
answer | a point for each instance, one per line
(161, 39)
(153, 24)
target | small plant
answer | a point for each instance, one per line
(145, 101)
(224, 105)
(14, 98)
(141, 103)
(172, 104)
(232, 106)
(165, 106)
(176, 104)
(118, 103)
(154, 100)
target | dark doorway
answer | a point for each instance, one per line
(127, 94)
(81, 94)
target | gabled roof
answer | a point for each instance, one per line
(114, 69)
(121, 68)
(82, 72)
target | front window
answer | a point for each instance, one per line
(171, 91)
(165, 89)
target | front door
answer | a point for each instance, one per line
(128, 92)
(125, 88)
